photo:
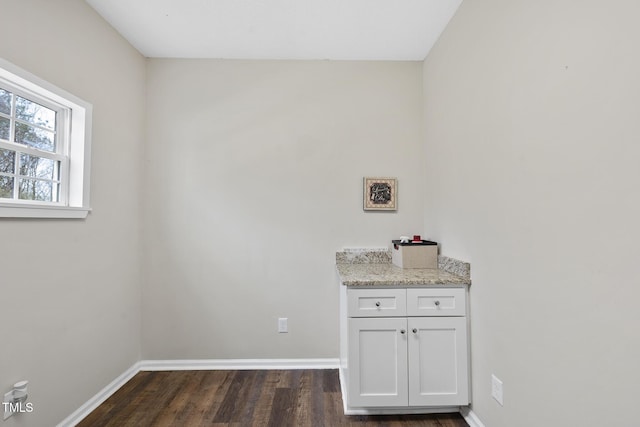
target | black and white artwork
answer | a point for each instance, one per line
(380, 194)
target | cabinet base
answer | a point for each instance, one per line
(408, 410)
(401, 411)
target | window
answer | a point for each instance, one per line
(44, 148)
(32, 162)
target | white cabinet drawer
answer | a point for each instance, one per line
(376, 302)
(436, 302)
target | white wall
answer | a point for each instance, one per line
(69, 289)
(254, 180)
(532, 170)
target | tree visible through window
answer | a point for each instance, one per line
(31, 150)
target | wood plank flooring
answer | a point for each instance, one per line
(296, 398)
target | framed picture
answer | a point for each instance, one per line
(380, 194)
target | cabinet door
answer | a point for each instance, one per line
(438, 361)
(377, 362)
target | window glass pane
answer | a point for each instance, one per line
(31, 189)
(6, 187)
(35, 113)
(4, 128)
(37, 167)
(34, 137)
(5, 102)
(7, 161)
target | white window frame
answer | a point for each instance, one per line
(75, 121)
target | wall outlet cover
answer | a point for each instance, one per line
(283, 325)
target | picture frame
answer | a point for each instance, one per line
(380, 194)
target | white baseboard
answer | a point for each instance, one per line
(237, 364)
(100, 397)
(470, 417)
(192, 365)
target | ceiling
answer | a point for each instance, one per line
(280, 29)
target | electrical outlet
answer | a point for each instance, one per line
(496, 389)
(8, 398)
(283, 325)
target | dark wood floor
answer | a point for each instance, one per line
(296, 398)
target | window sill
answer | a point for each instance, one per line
(12, 211)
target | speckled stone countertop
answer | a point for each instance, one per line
(374, 268)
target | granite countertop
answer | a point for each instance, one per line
(374, 268)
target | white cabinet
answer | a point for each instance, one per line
(405, 348)
(437, 354)
(379, 350)
(377, 302)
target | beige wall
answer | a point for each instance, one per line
(69, 289)
(532, 170)
(254, 180)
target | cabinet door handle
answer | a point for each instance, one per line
(402, 331)
(415, 331)
(437, 303)
(378, 303)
